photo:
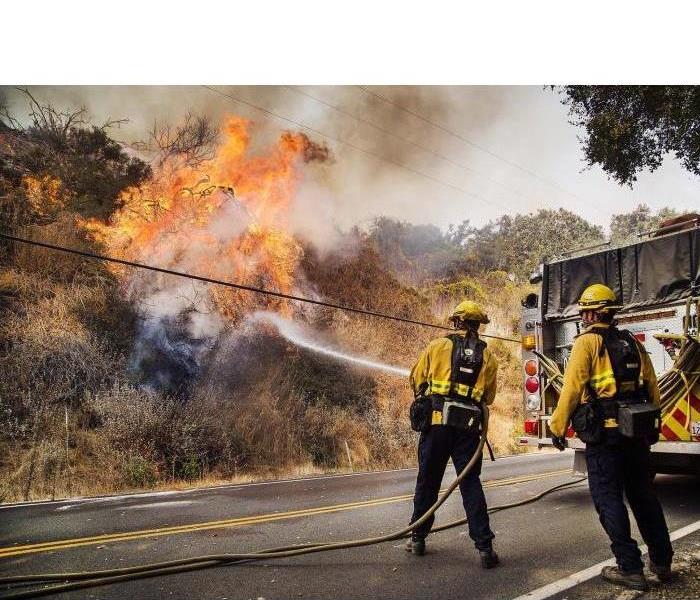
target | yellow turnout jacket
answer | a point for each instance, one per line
(586, 367)
(435, 366)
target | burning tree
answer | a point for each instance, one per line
(58, 162)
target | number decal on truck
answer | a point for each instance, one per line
(695, 430)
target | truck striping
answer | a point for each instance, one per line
(10, 551)
(675, 426)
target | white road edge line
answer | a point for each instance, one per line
(233, 486)
(574, 579)
(225, 486)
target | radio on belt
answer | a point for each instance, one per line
(460, 414)
(639, 420)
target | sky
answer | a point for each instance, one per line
(486, 150)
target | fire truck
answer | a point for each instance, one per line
(657, 279)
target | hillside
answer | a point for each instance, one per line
(116, 379)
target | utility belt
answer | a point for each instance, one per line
(427, 411)
(633, 417)
(453, 412)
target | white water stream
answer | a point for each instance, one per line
(295, 333)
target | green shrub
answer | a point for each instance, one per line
(139, 472)
(190, 469)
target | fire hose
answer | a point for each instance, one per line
(88, 579)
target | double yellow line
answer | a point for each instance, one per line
(239, 521)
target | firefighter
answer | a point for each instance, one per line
(608, 366)
(454, 374)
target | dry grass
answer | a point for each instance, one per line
(264, 408)
(74, 419)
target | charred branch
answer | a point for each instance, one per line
(193, 140)
(56, 123)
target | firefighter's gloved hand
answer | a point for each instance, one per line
(559, 442)
(420, 392)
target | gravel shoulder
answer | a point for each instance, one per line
(686, 563)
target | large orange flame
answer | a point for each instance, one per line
(224, 218)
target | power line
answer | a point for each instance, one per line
(230, 284)
(454, 134)
(408, 141)
(358, 148)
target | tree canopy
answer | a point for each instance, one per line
(416, 252)
(518, 243)
(515, 244)
(625, 227)
(59, 160)
(632, 128)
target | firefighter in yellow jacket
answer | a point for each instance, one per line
(454, 373)
(609, 369)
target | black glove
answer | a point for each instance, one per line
(420, 392)
(559, 442)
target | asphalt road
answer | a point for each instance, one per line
(538, 543)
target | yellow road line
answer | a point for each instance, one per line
(239, 521)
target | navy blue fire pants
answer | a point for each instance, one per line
(621, 465)
(435, 447)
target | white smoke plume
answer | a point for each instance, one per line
(179, 322)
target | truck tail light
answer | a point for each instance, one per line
(532, 402)
(531, 426)
(529, 342)
(570, 432)
(532, 384)
(531, 367)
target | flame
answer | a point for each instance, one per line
(226, 218)
(45, 196)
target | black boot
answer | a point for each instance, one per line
(489, 559)
(634, 581)
(663, 572)
(416, 545)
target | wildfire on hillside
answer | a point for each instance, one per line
(224, 218)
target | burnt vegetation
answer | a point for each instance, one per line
(193, 140)
(58, 154)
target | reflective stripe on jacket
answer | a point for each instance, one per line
(435, 366)
(587, 367)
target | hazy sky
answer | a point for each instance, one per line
(521, 153)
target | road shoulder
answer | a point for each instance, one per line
(686, 563)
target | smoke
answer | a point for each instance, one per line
(312, 217)
(385, 179)
(299, 336)
(358, 186)
(179, 322)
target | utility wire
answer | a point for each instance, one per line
(411, 142)
(230, 284)
(391, 161)
(460, 137)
